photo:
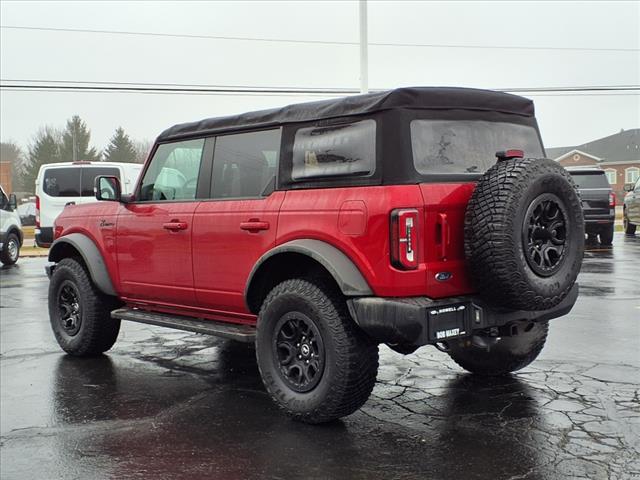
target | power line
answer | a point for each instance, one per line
(316, 42)
(178, 89)
(209, 88)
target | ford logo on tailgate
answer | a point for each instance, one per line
(443, 276)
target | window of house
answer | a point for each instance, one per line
(173, 172)
(631, 174)
(334, 150)
(611, 175)
(244, 164)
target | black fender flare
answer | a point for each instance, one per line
(346, 274)
(91, 256)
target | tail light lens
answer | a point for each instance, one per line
(37, 211)
(612, 199)
(404, 238)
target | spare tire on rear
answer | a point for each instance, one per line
(524, 234)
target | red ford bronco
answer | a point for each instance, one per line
(321, 230)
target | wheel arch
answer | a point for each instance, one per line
(303, 256)
(77, 244)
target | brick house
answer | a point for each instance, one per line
(618, 155)
(5, 176)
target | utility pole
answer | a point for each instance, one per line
(364, 48)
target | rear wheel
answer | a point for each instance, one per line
(506, 355)
(606, 235)
(80, 314)
(314, 361)
(10, 250)
(629, 228)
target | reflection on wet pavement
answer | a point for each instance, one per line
(169, 404)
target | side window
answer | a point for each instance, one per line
(244, 164)
(4, 201)
(335, 150)
(173, 172)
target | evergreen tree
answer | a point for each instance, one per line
(120, 148)
(45, 148)
(75, 142)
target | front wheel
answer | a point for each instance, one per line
(80, 314)
(10, 250)
(505, 356)
(314, 361)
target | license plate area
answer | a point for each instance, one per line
(447, 322)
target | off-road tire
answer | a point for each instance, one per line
(5, 254)
(507, 355)
(629, 228)
(97, 330)
(350, 361)
(606, 236)
(495, 236)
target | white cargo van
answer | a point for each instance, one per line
(60, 184)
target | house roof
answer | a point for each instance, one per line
(574, 151)
(424, 98)
(623, 146)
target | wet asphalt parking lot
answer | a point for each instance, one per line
(165, 404)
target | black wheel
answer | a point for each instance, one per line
(314, 361)
(79, 312)
(606, 236)
(629, 228)
(506, 355)
(10, 250)
(524, 234)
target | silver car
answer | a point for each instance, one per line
(631, 209)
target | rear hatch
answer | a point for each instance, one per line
(594, 192)
(451, 156)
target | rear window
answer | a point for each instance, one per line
(61, 182)
(73, 181)
(89, 175)
(467, 146)
(590, 180)
(335, 150)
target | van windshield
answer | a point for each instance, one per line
(73, 181)
(467, 146)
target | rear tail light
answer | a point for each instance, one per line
(612, 200)
(404, 238)
(37, 212)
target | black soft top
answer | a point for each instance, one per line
(418, 98)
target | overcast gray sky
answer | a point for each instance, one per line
(564, 120)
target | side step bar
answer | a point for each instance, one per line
(243, 333)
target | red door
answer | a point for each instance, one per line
(154, 252)
(229, 236)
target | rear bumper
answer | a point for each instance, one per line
(422, 321)
(44, 236)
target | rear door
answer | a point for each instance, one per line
(59, 186)
(154, 232)
(594, 192)
(233, 229)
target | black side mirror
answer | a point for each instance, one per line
(13, 201)
(108, 188)
(628, 187)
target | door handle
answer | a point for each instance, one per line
(254, 225)
(175, 226)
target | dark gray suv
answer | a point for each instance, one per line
(598, 202)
